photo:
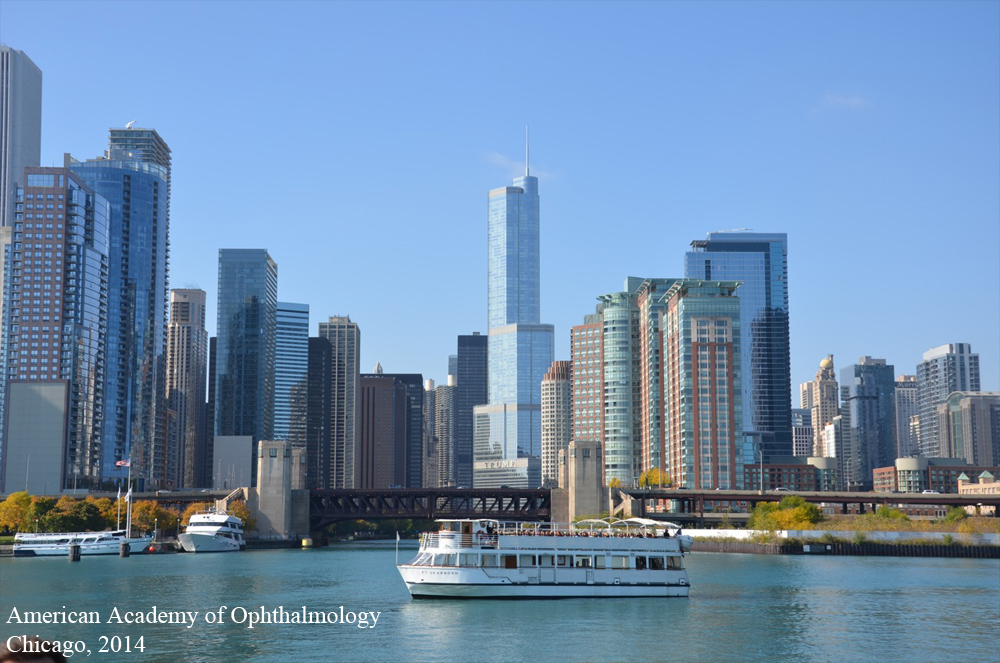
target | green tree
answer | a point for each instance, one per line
(16, 513)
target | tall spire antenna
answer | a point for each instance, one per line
(527, 151)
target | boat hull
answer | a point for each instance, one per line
(203, 543)
(477, 583)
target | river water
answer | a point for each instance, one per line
(741, 608)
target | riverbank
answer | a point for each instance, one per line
(864, 549)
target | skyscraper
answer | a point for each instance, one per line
(382, 432)
(137, 186)
(414, 427)
(247, 320)
(472, 389)
(342, 431)
(946, 368)
(557, 422)
(907, 410)
(20, 125)
(445, 426)
(759, 260)
(56, 317)
(701, 370)
(825, 402)
(291, 372)
(969, 426)
(587, 352)
(870, 387)
(508, 430)
(190, 465)
(319, 414)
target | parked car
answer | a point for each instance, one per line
(931, 492)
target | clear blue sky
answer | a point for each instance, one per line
(357, 143)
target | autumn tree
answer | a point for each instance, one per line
(16, 513)
(147, 515)
(654, 478)
(243, 512)
(792, 512)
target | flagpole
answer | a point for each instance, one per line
(397, 547)
(128, 497)
(118, 525)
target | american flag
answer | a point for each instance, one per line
(123, 463)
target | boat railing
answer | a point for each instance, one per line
(489, 537)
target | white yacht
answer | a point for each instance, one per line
(91, 543)
(213, 531)
(493, 559)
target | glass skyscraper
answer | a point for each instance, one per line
(508, 430)
(137, 187)
(869, 390)
(471, 370)
(56, 330)
(20, 125)
(760, 262)
(245, 349)
(291, 372)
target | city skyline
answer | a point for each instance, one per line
(871, 154)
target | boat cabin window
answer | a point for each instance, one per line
(423, 559)
(674, 563)
(564, 560)
(451, 527)
(656, 563)
(466, 528)
(510, 561)
(583, 562)
(468, 559)
(526, 560)
(599, 561)
(640, 562)
(619, 562)
(489, 560)
(546, 560)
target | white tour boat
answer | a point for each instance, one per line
(91, 543)
(213, 531)
(492, 559)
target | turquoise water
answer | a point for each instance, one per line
(742, 608)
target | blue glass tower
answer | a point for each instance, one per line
(869, 389)
(291, 372)
(760, 261)
(245, 349)
(137, 186)
(508, 430)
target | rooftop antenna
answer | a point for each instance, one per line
(129, 125)
(527, 153)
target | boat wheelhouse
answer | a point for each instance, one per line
(482, 558)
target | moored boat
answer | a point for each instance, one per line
(213, 531)
(91, 543)
(493, 559)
